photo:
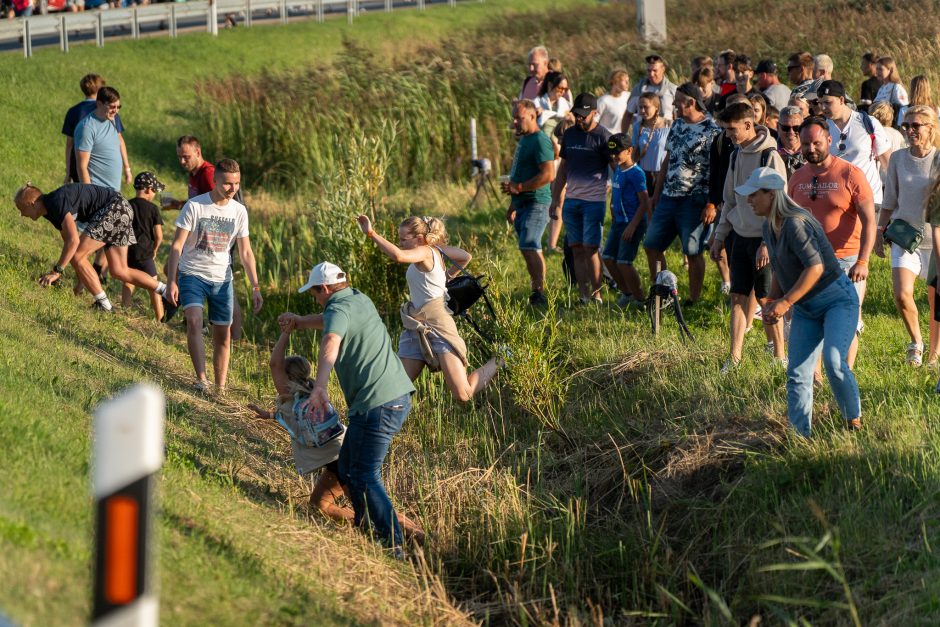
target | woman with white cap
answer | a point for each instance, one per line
(430, 337)
(824, 304)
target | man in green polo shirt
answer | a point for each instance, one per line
(533, 168)
(377, 390)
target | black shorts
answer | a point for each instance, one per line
(742, 262)
(144, 264)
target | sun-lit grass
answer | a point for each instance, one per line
(609, 474)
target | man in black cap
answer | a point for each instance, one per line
(148, 229)
(655, 83)
(769, 84)
(583, 174)
(857, 137)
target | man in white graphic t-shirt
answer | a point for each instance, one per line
(199, 269)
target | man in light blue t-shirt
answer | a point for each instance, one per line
(98, 143)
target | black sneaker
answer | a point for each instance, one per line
(169, 309)
(538, 299)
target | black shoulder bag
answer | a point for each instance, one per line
(463, 292)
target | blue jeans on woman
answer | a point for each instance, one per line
(826, 322)
(366, 443)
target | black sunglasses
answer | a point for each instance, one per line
(815, 191)
(842, 138)
(907, 126)
(786, 128)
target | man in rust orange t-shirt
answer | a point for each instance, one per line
(838, 195)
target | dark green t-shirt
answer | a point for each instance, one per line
(531, 152)
(369, 372)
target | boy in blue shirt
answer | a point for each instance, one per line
(629, 212)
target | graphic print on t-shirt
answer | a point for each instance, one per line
(214, 234)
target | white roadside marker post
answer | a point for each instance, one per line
(127, 452)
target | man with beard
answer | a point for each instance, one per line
(583, 174)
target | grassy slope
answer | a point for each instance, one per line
(231, 549)
(673, 470)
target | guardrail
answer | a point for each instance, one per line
(129, 20)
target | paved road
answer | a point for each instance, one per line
(198, 24)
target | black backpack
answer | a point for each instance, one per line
(764, 157)
(463, 292)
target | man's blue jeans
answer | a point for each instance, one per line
(366, 443)
(826, 322)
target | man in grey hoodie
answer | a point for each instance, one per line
(740, 231)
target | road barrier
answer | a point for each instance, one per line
(128, 21)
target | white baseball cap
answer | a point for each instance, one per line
(324, 273)
(761, 178)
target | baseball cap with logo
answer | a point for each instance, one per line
(324, 273)
(830, 88)
(584, 104)
(148, 180)
(617, 143)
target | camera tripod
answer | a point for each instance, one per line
(484, 183)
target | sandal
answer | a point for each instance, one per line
(915, 354)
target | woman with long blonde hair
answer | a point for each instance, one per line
(809, 282)
(912, 173)
(430, 337)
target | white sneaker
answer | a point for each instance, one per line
(725, 289)
(915, 354)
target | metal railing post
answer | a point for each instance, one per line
(388, 5)
(27, 39)
(173, 20)
(247, 13)
(99, 31)
(63, 34)
(282, 9)
(212, 20)
(350, 11)
(135, 25)
(320, 11)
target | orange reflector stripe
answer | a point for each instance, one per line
(120, 572)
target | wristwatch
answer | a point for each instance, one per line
(58, 269)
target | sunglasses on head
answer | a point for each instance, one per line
(842, 138)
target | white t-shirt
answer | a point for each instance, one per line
(610, 111)
(666, 91)
(778, 94)
(213, 230)
(559, 110)
(858, 149)
(892, 93)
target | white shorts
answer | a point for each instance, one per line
(900, 258)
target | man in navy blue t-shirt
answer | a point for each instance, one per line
(584, 169)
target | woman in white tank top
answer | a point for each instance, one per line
(421, 244)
